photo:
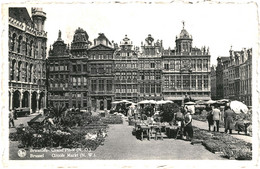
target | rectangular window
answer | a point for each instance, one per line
(193, 81)
(85, 81)
(172, 82)
(118, 89)
(205, 64)
(205, 79)
(142, 75)
(85, 68)
(123, 88)
(178, 82)
(101, 85)
(109, 85)
(158, 88)
(153, 88)
(147, 88)
(141, 88)
(199, 64)
(166, 66)
(94, 85)
(157, 75)
(186, 82)
(172, 65)
(61, 67)
(79, 81)
(146, 76)
(152, 65)
(74, 68)
(74, 81)
(152, 75)
(129, 89)
(177, 67)
(199, 77)
(166, 82)
(193, 64)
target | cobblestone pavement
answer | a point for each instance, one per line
(122, 145)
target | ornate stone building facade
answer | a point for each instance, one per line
(150, 70)
(101, 74)
(27, 59)
(234, 76)
(58, 73)
(126, 71)
(186, 71)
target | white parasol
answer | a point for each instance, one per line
(238, 107)
(211, 102)
(189, 103)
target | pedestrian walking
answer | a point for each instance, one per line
(216, 117)
(179, 118)
(11, 119)
(188, 129)
(210, 118)
(229, 116)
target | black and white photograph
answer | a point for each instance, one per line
(173, 82)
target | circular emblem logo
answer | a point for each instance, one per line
(21, 153)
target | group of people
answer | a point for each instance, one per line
(215, 115)
(183, 119)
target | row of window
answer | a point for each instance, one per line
(150, 88)
(16, 46)
(59, 67)
(101, 57)
(101, 68)
(186, 82)
(126, 88)
(26, 72)
(99, 85)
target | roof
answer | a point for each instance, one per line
(21, 14)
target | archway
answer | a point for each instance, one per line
(16, 99)
(25, 101)
(41, 100)
(34, 102)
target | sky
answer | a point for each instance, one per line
(217, 26)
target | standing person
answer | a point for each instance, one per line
(228, 119)
(178, 118)
(14, 114)
(210, 118)
(11, 119)
(188, 130)
(216, 117)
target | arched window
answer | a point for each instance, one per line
(19, 71)
(13, 41)
(19, 44)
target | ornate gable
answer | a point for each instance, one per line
(101, 47)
